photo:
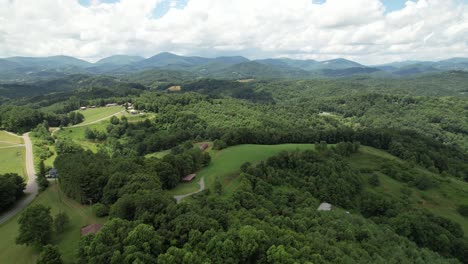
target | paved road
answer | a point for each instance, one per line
(202, 187)
(31, 186)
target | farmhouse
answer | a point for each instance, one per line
(91, 229)
(203, 146)
(189, 177)
(83, 108)
(324, 207)
(53, 173)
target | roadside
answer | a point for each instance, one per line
(31, 190)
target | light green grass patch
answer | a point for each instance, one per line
(67, 242)
(94, 114)
(10, 139)
(12, 161)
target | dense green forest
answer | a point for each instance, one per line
(271, 215)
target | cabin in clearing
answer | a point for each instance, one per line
(203, 147)
(189, 177)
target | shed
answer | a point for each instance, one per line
(324, 207)
(203, 146)
(91, 229)
(189, 177)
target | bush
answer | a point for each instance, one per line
(50, 255)
(100, 210)
(374, 180)
(463, 209)
(61, 221)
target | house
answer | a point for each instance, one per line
(53, 173)
(324, 207)
(91, 229)
(83, 108)
(109, 105)
(203, 146)
(93, 106)
(134, 112)
(189, 177)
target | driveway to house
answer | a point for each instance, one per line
(202, 187)
(55, 129)
(31, 186)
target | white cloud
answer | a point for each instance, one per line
(354, 29)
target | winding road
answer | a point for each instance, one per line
(202, 187)
(31, 187)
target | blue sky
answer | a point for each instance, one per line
(163, 8)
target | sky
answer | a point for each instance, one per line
(366, 31)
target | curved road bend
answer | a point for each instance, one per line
(202, 187)
(31, 186)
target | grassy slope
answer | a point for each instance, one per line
(77, 134)
(11, 159)
(68, 241)
(93, 114)
(441, 200)
(226, 163)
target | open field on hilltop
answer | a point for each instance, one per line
(67, 242)
(77, 134)
(94, 114)
(11, 154)
(441, 199)
(225, 165)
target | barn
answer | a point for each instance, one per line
(189, 177)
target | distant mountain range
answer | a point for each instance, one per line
(234, 67)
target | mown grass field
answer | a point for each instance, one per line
(11, 156)
(441, 200)
(94, 114)
(225, 165)
(67, 242)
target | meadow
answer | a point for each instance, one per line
(11, 154)
(225, 165)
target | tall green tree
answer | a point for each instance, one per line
(35, 226)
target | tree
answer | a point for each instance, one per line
(11, 189)
(374, 180)
(61, 221)
(35, 226)
(219, 144)
(42, 168)
(50, 255)
(463, 210)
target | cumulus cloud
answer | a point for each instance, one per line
(361, 30)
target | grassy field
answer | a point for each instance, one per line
(11, 155)
(441, 200)
(225, 165)
(94, 114)
(67, 242)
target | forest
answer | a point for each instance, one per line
(270, 215)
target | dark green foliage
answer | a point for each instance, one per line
(463, 210)
(374, 180)
(95, 135)
(120, 241)
(61, 221)
(100, 209)
(82, 175)
(35, 226)
(219, 144)
(50, 255)
(11, 189)
(42, 182)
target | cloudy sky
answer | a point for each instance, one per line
(367, 31)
